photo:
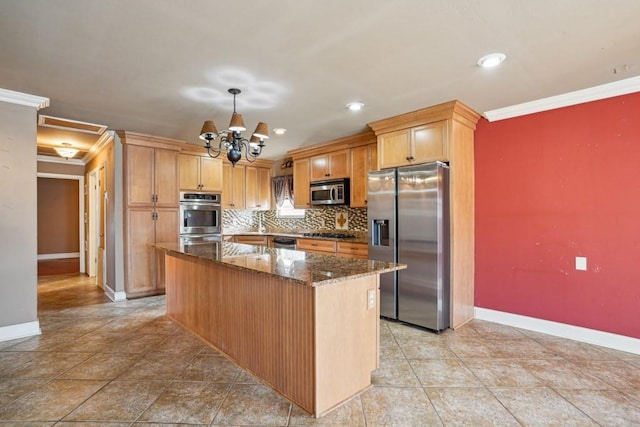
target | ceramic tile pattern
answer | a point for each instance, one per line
(100, 363)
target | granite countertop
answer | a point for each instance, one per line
(304, 267)
(360, 237)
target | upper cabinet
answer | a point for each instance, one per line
(414, 145)
(233, 180)
(334, 164)
(247, 185)
(349, 157)
(363, 160)
(301, 196)
(151, 175)
(200, 173)
(257, 188)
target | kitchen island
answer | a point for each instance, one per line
(305, 324)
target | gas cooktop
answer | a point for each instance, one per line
(329, 235)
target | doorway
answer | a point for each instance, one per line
(97, 218)
(60, 224)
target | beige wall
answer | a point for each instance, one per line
(61, 168)
(110, 157)
(58, 216)
(18, 215)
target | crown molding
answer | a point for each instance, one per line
(102, 142)
(52, 159)
(609, 90)
(20, 98)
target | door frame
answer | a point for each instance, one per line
(81, 216)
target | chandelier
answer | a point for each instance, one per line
(231, 140)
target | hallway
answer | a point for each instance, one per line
(126, 364)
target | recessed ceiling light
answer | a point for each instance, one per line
(279, 131)
(491, 60)
(355, 106)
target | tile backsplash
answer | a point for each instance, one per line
(329, 218)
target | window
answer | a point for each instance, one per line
(288, 211)
(283, 193)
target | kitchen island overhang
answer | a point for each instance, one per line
(305, 324)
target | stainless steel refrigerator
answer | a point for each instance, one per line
(408, 214)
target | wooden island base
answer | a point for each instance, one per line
(316, 345)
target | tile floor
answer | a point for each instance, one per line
(121, 364)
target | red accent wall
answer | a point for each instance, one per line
(555, 185)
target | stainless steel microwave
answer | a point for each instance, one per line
(330, 192)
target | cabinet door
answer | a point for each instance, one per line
(429, 142)
(251, 187)
(319, 167)
(301, 183)
(233, 181)
(139, 175)
(210, 174)
(189, 172)
(166, 178)
(339, 164)
(363, 160)
(140, 254)
(166, 231)
(317, 245)
(352, 250)
(264, 189)
(394, 149)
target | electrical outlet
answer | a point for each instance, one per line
(371, 299)
(581, 263)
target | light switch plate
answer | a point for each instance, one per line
(581, 263)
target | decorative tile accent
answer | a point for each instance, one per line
(314, 219)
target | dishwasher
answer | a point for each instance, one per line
(284, 242)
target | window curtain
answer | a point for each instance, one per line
(283, 188)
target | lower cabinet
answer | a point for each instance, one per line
(317, 245)
(145, 265)
(251, 240)
(339, 248)
(352, 250)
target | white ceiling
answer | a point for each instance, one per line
(163, 66)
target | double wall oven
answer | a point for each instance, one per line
(200, 216)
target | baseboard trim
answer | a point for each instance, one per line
(114, 296)
(44, 257)
(21, 330)
(576, 333)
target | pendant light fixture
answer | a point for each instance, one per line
(231, 140)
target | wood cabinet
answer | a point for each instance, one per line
(151, 185)
(257, 188)
(363, 160)
(145, 265)
(352, 249)
(412, 146)
(152, 176)
(334, 159)
(317, 245)
(334, 164)
(301, 181)
(249, 239)
(442, 132)
(233, 188)
(200, 173)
